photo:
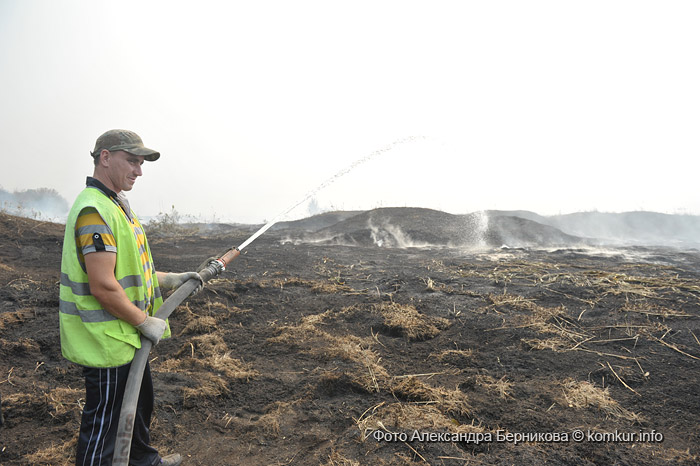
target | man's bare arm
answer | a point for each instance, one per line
(107, 290)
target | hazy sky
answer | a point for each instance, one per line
(551, 106)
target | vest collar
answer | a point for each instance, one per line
(121, 201)
(91, 182)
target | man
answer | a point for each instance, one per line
(109, 294)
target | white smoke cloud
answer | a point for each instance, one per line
(391, 236)
(41, 204)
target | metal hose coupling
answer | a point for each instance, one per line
(213, 268)
(216, 267)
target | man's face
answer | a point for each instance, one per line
(123, 169)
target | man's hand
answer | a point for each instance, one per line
(174, 280)
(152, 328)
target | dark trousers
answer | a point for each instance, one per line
(104, 390)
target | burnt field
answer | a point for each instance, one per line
(346, 353)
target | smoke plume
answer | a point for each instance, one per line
(41, 204)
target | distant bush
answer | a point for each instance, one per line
(170, 224)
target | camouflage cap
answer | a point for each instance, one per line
(128, 141)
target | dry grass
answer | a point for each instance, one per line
(371, 375)
(634, 281)
(663, 454)
(276, 412)
(209, 386)
(510, 301)
(229, 367)
(454, 357)
(555, 344)
(458, 288)
(23, 345)
(500, 387)
(542, 319)
(584, 395)
(208, 360)
(207, 317)
(366, 370)
(270, 424)
(566, 333)
(54, 403)
(15, 317)
(301, 334)
(54, 455)
(532, 272)
(448, 401)
(199, 324)
(336, 459)
(63, 400)
(409, 416)
(213, 375)
(658, 278)
(329, 286)
(23, 284)
(653, 286)
(367, 373)
(653, 310)
(215, 306)
(27, 402)
(549, 320)
(407, 321)
(6, 268)
(202, 346)
(650, 291)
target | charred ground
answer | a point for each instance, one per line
(299, 352)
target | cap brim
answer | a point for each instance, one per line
(148, 154)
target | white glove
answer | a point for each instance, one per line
(152, 328)
(174, 280)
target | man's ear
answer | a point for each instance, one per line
(104, 157)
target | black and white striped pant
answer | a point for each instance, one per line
(104, 389)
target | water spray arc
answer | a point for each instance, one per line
(215, 267)
(330, 180)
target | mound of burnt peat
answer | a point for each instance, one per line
(415, 227)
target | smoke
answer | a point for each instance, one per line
(633, 228)
(391, 236)
(638, 228)
(40, 204)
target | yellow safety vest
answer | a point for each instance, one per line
(91, 336)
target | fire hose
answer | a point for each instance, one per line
(127, 415)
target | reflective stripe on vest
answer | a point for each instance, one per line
(92, 315)
(83, 289)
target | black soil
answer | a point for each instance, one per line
(351, 355)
